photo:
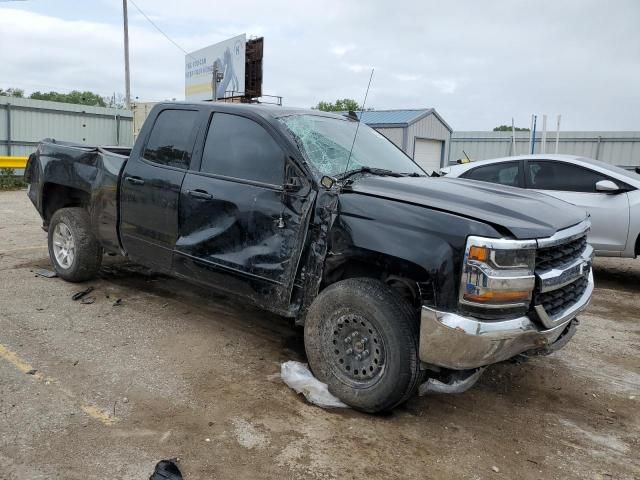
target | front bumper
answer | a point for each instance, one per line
(454, 341)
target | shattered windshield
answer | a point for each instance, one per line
(326, 142)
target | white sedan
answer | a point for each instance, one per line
(610, 194)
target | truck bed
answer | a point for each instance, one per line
(58, 171)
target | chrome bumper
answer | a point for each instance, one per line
(457, 342)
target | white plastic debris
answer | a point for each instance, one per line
(298, 376)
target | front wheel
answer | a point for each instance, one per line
(361, 339)
(73, 248)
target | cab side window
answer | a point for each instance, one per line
(550, 175)
(506, 173)
(241, 148)
(171, 139)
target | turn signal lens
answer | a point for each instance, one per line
(497, 296)
(480, 254)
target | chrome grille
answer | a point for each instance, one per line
(559, 255)
(562, 276)
(558, 300)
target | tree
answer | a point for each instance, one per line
(341, 105)
(75, 96)
(117, 100)
(507, 128)
(12, 92)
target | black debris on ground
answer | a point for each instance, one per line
(166, 470)
(78, 295)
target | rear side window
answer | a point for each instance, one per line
(171, 139)
(506, 173)
(548, 175)
(241, 148)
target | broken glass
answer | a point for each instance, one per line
(327, 142)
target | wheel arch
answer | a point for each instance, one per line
(410, 279)
(56, 196)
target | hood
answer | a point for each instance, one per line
(524, 213)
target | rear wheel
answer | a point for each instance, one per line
(73, 249)
(361, 340)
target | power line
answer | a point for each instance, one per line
(159, 29)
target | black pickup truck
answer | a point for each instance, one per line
(401, 281)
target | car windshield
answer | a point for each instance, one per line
(326, 143)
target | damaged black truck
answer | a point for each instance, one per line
(402, 282)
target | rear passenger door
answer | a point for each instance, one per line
(240, 229)
(503, 173)
(150, 188)
(577, 185)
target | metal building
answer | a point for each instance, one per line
(616, 148)
(24, 122)
(422, 134)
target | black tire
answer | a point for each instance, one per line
(87, 255)
(389, 374)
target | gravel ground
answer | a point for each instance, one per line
(103, 391)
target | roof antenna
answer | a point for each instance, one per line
(346, 169)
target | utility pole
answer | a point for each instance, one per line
(127, 79)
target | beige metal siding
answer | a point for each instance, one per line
(140, 113)
(430, 128)
(33, 120)
(616, 148)
(393, 134)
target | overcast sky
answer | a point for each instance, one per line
(479, 63)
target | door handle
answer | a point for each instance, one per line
(134, 180)
(200, 194)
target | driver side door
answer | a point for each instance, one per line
(241, 225)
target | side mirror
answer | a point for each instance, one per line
(607, 186)
(327, 182)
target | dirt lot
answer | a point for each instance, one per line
(174, 371)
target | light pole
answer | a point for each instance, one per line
(127, 79)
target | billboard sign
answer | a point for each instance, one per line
(226, 57)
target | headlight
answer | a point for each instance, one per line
(498, 273)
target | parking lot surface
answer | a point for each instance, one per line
(156, 368)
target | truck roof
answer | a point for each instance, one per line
(266, 110)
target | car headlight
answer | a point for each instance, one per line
(498, 274)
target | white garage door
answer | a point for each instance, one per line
(428, 154)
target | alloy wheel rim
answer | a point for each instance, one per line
(64, 246)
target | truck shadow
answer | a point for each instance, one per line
(619, 277)
(234, 312)
(537, 386)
